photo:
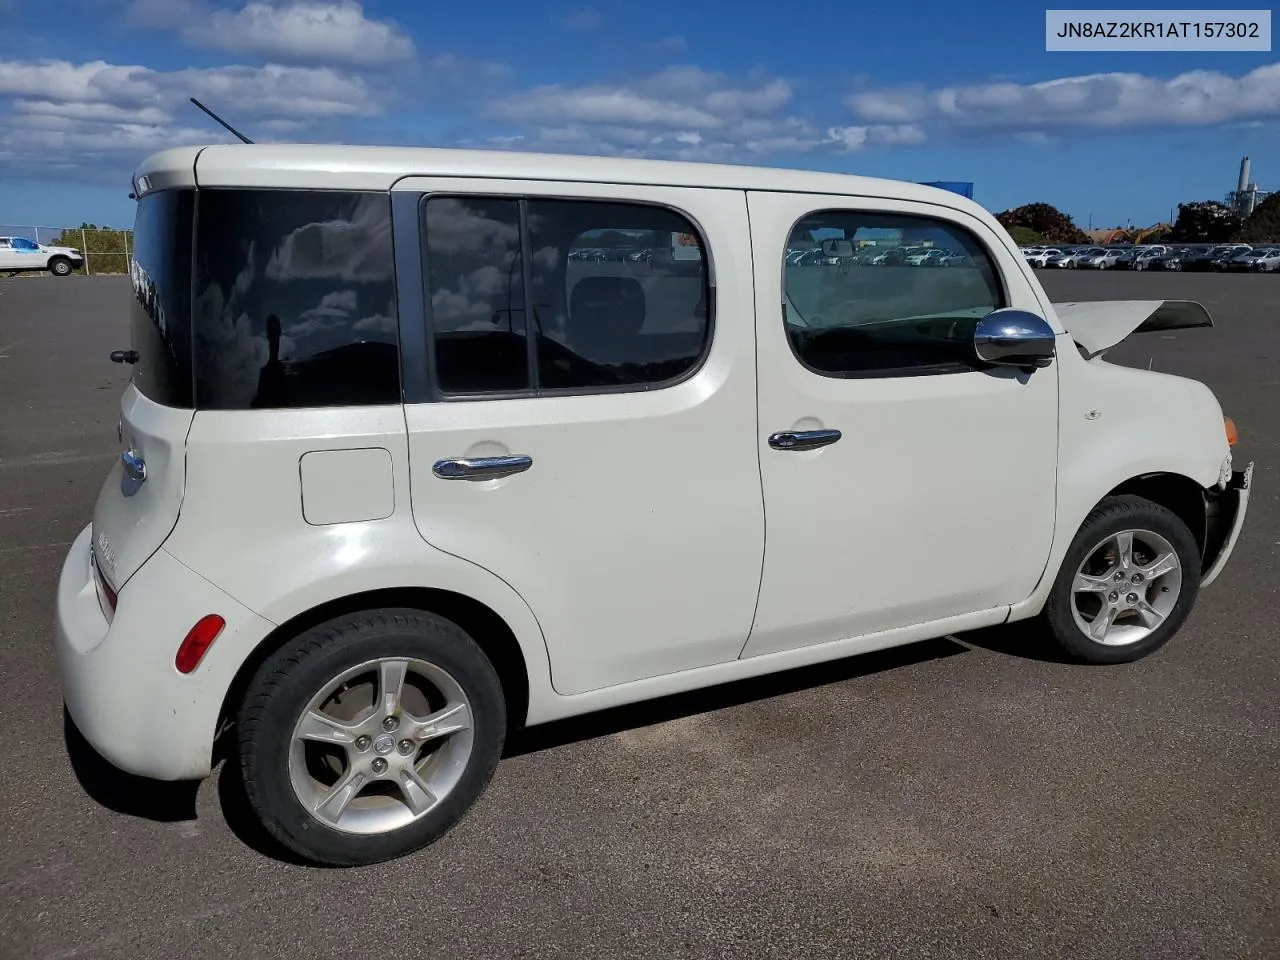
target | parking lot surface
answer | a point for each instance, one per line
(966, 797)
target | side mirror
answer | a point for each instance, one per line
(1014, 338)
(837, 248)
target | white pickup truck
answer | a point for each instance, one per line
(20, 253)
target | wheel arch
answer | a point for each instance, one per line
(1176, 491)
(489, 630)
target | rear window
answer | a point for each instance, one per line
(161, 308)
(294, 300)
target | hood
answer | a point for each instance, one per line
(1098, 325)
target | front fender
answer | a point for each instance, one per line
(1118, 424)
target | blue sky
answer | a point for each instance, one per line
(917, 91)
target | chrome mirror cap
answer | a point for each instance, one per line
(1014, 338)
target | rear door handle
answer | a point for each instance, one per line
(481, 468)
(803, 439)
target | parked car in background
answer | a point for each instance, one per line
(1143, 259)
(1211, 258)
(1070, 259)
(20, 253)
(1041, 257)
(1174, 259)
(1257, 260)
(1104, 260)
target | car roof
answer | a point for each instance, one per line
(357, 167)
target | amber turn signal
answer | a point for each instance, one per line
(1232, 436)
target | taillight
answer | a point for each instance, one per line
(1230, 426)
(197, 642)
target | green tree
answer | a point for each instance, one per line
(1025, 236)
(105, 250)
(1048, 221)
(1263, 225)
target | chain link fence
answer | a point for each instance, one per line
(105, 250)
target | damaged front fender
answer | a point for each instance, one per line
(1224, 516)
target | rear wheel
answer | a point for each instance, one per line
(60, 266)
(1126, 585)
(368, 737)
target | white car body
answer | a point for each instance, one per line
(21, 253)
(630, 560)
(1040, 258)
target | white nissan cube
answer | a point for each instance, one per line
(421, 446)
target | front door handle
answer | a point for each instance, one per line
(803, 439)
(481, 468)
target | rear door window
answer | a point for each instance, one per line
(533, 295)
(294, 300)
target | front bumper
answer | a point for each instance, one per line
(1227, 510)
(118, 677)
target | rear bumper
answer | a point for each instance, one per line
(119, 681)
(1226, 520)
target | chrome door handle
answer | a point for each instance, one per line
(135, 468)
(481, 468)
(803, 439)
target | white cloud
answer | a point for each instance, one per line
(1100, 101)
(675, 97)
(101, 119)
(327, 31)
(588, 18)
(682, 113)
(334, 32)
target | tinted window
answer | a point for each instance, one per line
(294, 300)
(619, 294)
(161, 314)
(886, 307)
(475, 282)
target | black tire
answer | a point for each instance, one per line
(1112, 516)
(285, 683)
(60, 267)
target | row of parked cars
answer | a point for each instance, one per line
(1225, 257)
(834, 252)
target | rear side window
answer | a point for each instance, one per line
(294, 300)
(533, 295)
(161, 309)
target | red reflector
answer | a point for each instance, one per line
(199, 639)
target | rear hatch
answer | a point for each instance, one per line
(138, 504)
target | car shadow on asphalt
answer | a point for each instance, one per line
(1023, 639)
(123, 792)
(604, 723)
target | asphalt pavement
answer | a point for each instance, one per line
(965, 798)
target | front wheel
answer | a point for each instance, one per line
(1127, 583)
(60, 266)
(368, 737)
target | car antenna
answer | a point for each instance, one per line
(220, 120)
